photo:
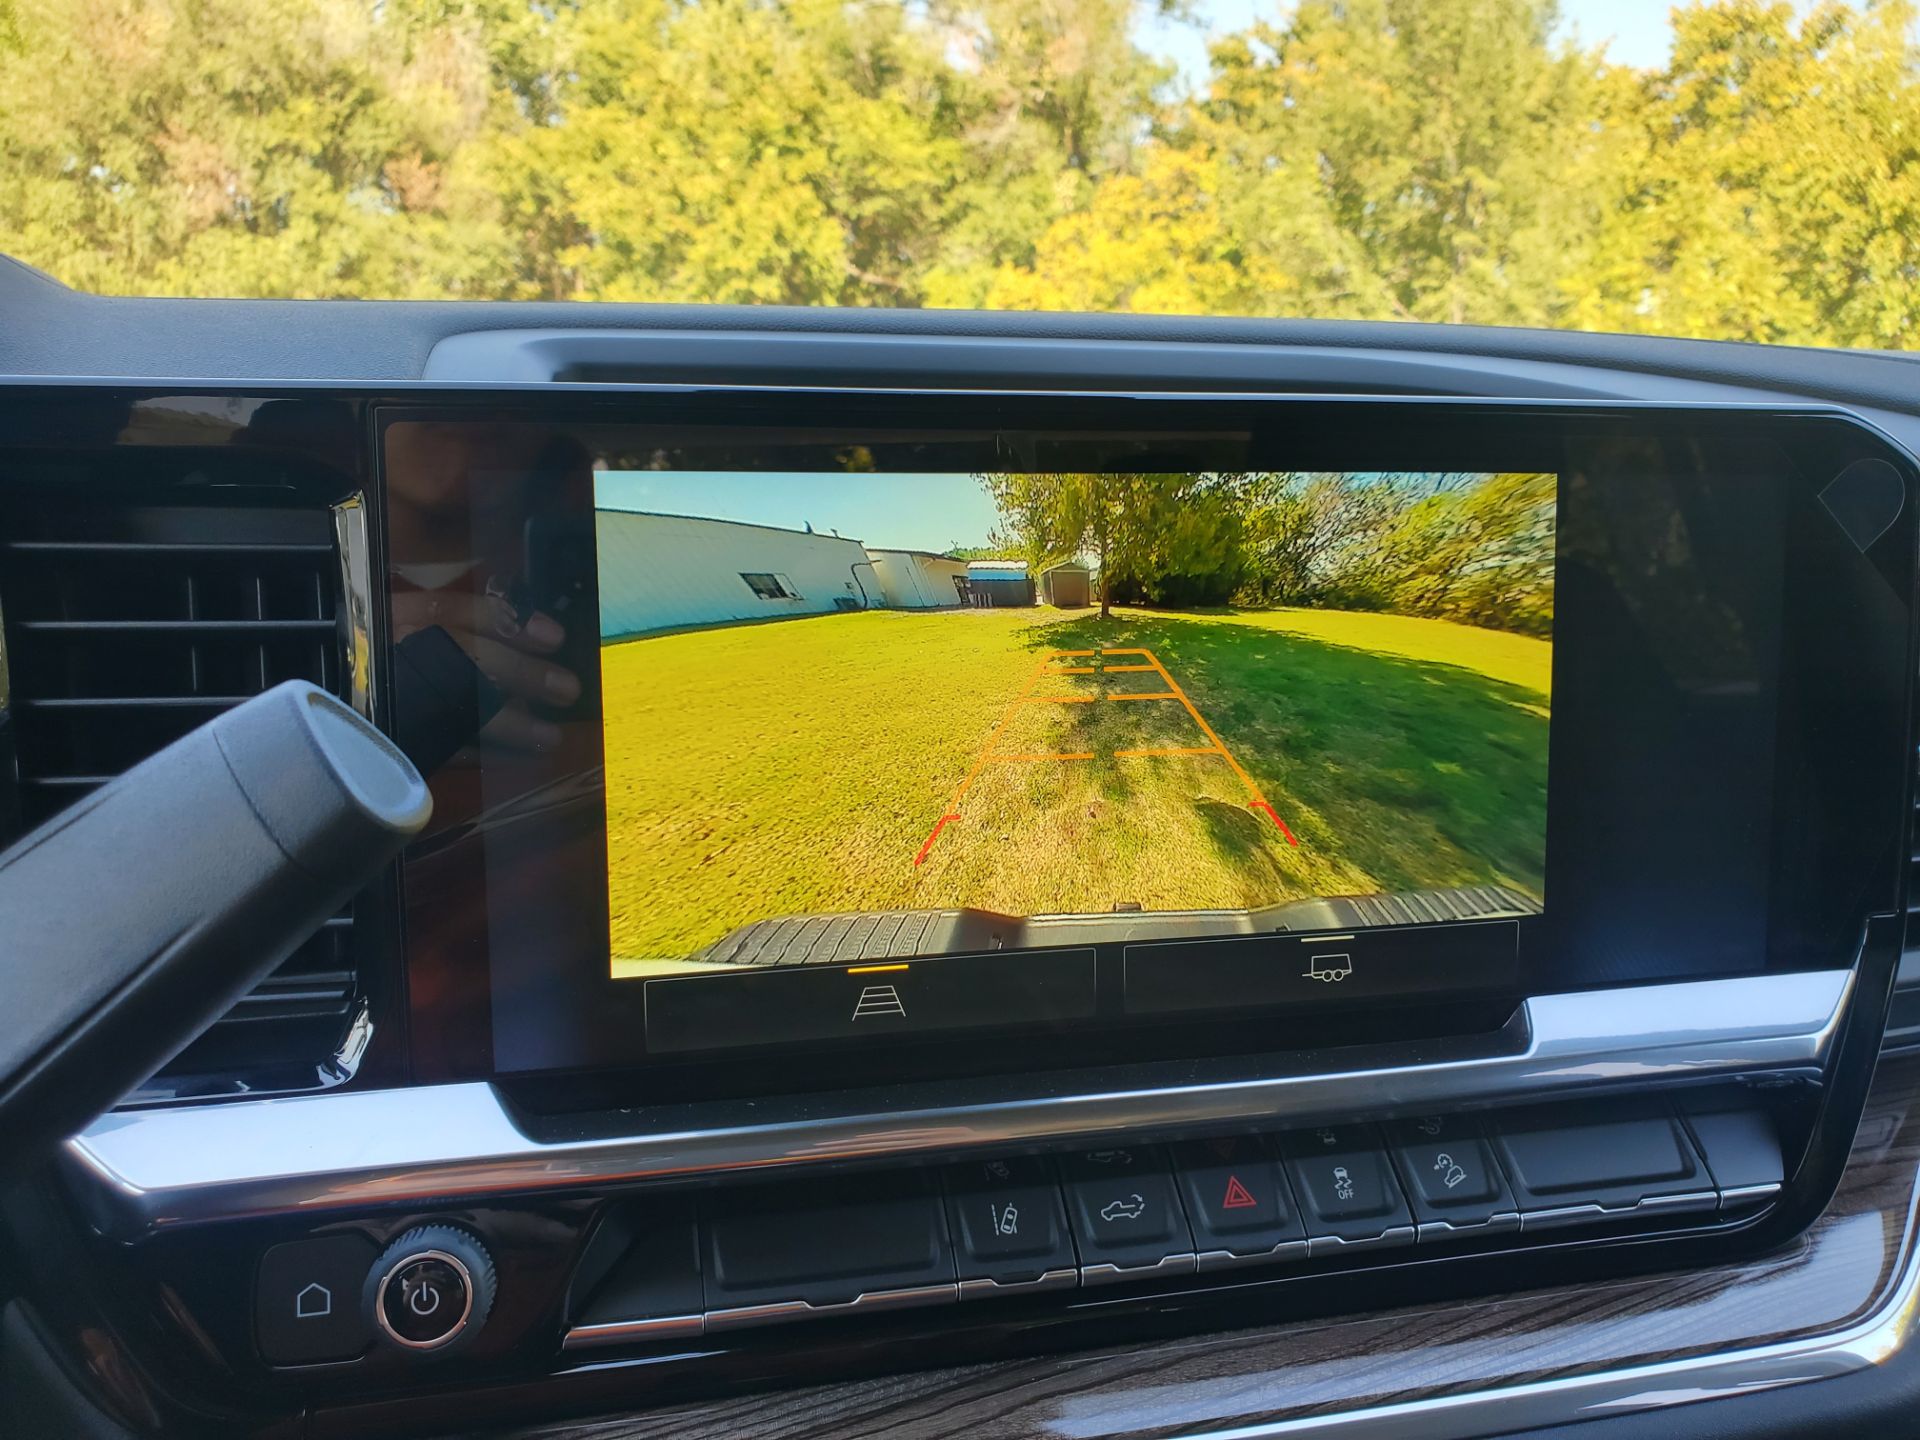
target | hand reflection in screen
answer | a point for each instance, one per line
(459, 497)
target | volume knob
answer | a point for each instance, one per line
(431, 1288)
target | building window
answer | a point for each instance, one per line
(769, 587)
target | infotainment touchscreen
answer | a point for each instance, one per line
(878, 716)
(783, 740)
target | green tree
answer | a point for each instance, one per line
(1162, 539)
(1453, 145)
(734, 151)
(246, 147)
(1775, 191)
(1481, 554)
(1050, 98)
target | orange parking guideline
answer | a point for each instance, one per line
(1259, 801)
(1027, 697)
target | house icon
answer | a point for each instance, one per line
(313, 1303)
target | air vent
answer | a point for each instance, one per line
(126, 627)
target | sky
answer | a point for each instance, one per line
(1637, 31)
(884, 512)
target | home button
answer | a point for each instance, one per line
(305, 1300)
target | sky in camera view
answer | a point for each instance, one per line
(903, 512)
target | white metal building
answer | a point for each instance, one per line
(917, 580)
(658, 572)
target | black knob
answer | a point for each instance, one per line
(431, 1288)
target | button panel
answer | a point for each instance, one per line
(827, 1245)
(1127, 1216)
(1009, 1227)
(306, 1300)
(1575, 1164)
(1239, 1202)
(1453, 1183)
(1347, 1188)
(1144, 1214)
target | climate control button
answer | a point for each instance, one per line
(432, 1288)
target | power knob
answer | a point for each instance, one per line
(431, 1288)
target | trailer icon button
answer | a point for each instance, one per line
(1329, 969)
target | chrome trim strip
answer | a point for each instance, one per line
(137, 1171)
(1319, 1247)
(1161, 1269)
(739, 1317)
(356, 599)
(982, 1288)
(1647, 1207)
(1286, 1250)
(620, 1332)
(1432, 1232)
(1748, 1194)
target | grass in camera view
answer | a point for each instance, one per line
(1152, 691)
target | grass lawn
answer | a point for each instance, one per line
(798, 767)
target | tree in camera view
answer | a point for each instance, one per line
(1445, 160)
(1454, 546)
(1154, 691)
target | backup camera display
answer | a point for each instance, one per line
(855, 716)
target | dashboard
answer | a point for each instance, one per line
(1238, 879)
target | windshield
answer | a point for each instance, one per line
(1732, 169)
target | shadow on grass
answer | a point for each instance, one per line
(1419, 773)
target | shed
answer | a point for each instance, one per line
(918, 579)
(660, 572)
(996, 584)
(1068, 585)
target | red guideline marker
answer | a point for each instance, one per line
(941, 824)
(1256, 805)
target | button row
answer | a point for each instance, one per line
(1017, 1225)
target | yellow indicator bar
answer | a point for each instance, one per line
(873, 969)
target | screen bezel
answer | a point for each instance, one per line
(1839, 705)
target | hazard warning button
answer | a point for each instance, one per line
(1237, 1196)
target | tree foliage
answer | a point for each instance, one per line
(1446, 160)
(1478, 549)
(1157, 539)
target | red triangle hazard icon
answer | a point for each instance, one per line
(1237, 1196)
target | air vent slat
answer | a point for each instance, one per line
(158, 547)
(125, 627)
(120, 627)
(130, 702)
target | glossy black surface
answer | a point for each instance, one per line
(1726, 783)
